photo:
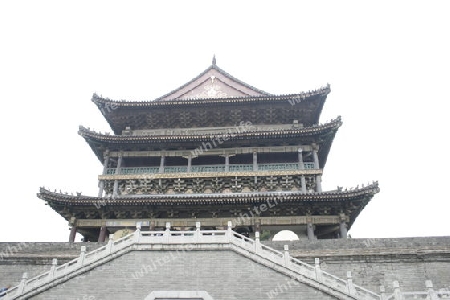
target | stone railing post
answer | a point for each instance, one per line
(286, 256)
(229, 231)
(22, 283)
(318, 270)
(109, 246)
(430, 290)
(257, 242)
(82, 255)
(397, 292)
(383, 293)
(197, 232)
(51, 275)
(167, 232)
(350, 286)
(137, 233)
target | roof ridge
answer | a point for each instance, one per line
(97, 99)
(213, 66)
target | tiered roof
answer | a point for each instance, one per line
(351, 201)
(213, 98)
(206, 106)
(322, 134)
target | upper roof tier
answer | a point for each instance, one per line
(213, 99)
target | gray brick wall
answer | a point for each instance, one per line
(225, 275)
(373, 262)
(376, 262)
(34, 258)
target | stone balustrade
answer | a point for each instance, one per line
(198, 239)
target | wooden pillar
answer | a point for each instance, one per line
(342, 226)
(189, 167)
(101, 186)
(343, 230)
(102, 235)
(161, 164)
(255, 161)
(316, 159)
(301, 166)
(310, 231)
(303, 181)
(227, 162)
(319, 183)
(73, 233)
(116, 182)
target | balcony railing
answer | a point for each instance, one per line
(210, 168)
(309, 165)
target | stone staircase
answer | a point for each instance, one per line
(281, 261)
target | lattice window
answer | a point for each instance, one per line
(236, 184)
(310, 183)
(271, 183)
(217, 184)
(179, 186)
(287, 183)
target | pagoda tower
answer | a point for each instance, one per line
(211, 151)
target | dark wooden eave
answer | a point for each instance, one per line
(213, 112)
(323, 135)
(350, 201)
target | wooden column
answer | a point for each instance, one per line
(301, 166)
(316, 159)
(255, 161)
(101, 186)
(161, 164)
(73, 233)
(102, 235)
(189, 166)
(303, 181)
(310, 231)
(342, 226)
(116, 182)
(227, 162)
(319, 183)
(343, 230)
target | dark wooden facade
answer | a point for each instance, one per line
(214, 150)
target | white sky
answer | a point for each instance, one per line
(387, 62)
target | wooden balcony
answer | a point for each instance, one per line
(210, 168)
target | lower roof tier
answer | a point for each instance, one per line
(175, 206)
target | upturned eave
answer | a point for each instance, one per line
(99, 142)
(64, 203)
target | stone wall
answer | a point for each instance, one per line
(34, 258)
(376, 262)
(223, 274)
(373, 262)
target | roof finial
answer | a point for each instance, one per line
(214, 60)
